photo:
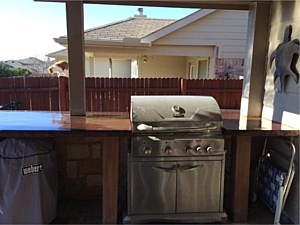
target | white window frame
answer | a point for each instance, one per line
(207, 68)
(192, 71)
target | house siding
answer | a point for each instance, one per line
(225, 29)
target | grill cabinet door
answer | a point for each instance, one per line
(153, 187)
(199, 186)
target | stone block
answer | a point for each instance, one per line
(95, 150)
(71, 170)
(78, 151)
(94, 180)
(90, 166)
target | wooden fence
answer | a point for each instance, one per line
(112, 94)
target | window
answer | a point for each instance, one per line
(192, 71)
(202, 68)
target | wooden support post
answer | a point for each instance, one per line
(241, 149)
(183, 86)
(62, 92)
(75, 28)
(110, 180)
(255, 61)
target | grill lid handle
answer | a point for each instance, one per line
(146, 127)
(177, 111)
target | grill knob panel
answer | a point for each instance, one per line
(168, 150)
(147, 151)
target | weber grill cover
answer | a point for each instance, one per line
(28, 181)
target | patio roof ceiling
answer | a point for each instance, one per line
(204, 4)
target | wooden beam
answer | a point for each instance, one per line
(75, 29)
(203, 4)
(238, 5)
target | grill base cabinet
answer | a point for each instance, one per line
(176, 189)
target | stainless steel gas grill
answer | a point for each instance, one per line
(176, 161)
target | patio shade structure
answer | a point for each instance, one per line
(252, 100)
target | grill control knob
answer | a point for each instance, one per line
(209, 149)
(189, 150)
(168, 150)
(198, 149)
(147, 151)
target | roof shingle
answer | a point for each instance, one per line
(130, 28)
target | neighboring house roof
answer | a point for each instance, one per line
(58, 54)
(32, 64)
(3, 65)
(129, 28)
(133, 28)
(136, 30)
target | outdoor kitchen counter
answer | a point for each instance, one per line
(241, 130)
(112, 127)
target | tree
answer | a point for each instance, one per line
(11, 72)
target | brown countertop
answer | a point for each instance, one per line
(45, 123)
(235, 125)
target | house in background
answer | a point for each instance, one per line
(35, 66)
(205, 44)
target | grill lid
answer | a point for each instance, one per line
(175, 114)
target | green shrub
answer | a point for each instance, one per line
(11, 72)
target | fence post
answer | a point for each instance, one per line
(183, 86)
(62, 92)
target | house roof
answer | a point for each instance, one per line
(59, 53)
(63, 53)
(133, 28)
(136, 31)
(177, 25)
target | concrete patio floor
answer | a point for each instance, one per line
(89, 212)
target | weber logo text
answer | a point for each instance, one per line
(32, 169)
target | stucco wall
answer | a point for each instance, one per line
(163, 67)
(284, 107)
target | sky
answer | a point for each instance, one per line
(28, 27)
